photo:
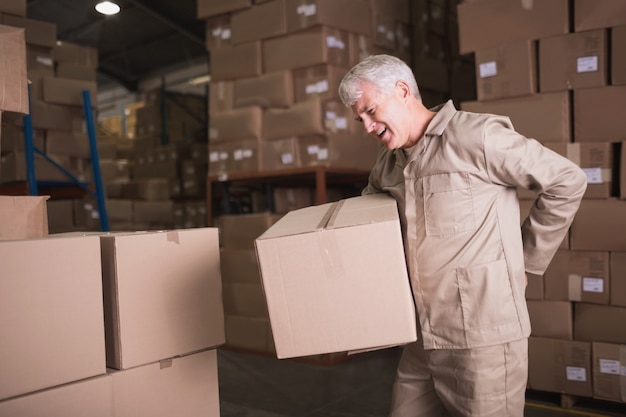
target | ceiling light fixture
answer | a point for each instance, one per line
(107, 8)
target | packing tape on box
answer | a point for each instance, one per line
(330, 254)
(574, 284)
(172, 236)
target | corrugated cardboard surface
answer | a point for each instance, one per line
(273, 89)
(14, 7)
(317, 81)
(599, 226)
(545, 117)
(594, 123)
(37, 32)
(574, 60)
(559, 366)
(259, 22)
(599, 323)
(238, 124)
(239, 61)
(13, 80)
(508, 70)
(279, 154)
(487, 23)
(553, 319)
(337, 150)
(349, 15)
(23, 217)
(208, 8)
(51, 316)
(90, 397)
(335, 278)
(597, 14)
(183, 387)
(609, 380)
(579, 276)
(163, 295)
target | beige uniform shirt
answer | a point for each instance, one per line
(466, 253)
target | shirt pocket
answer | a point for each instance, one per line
(486, 295)
(448, 204)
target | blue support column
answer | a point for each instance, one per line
(95, 161)
(31, 178)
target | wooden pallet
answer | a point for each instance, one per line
(586, 406)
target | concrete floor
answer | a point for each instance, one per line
(260, 386)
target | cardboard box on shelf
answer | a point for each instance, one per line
(14, 7)
(53, 330)
(599, 323)
(488, 23)
(326, 288)
(218, 32)
(562, 366)
(279, 154)
(338, 150)
(599, 226)
(238, 231)
(308, 13)
(593, 124)
(239, 265)
(316, 45)
(598, 14)
(618, 55)
(259, 22)
(553, 319)
(238, 61)
(507, 70)
(609, 381)
(237, 124)
(579, 276)
(13, 80)
(545, 117)
(317, 81)
(23, 217)
(274, 89)
(208, 8)
(162, 295)
(37, 32)
(573, 60)
(618, 275)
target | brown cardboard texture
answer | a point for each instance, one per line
(618, 55)
(90, 397)
(259, 22)
(23, 217)
(162, 295)
(553, 319)
(559, 366)
(599, 226)
(13, 80)
(302, 14)
(184, 387)
(604, 123)
(609, 379)
(52, 328)
(335, 278)
(597, 14)
(618, 279)
(599, 323)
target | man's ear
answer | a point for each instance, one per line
(404, 89)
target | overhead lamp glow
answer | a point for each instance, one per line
(107, 8)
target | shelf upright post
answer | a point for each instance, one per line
(31, 178)
(95, 161)
(164, 138)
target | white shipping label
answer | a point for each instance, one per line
(593, 285)
(223, 156)
(317, 88)
(313, 149)
(213, 156)
(213, 133)
(226, 33)
(341, 123)
(488, 69)
(43, 60)
(286, 158)
(587, 64)
(323, 154)
(238, 155)
(307, 9)
(594, 175)
(575, 373)
(333, 42)
(608, 366)
(247, 153)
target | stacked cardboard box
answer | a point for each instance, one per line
(273, 96)
(548, 78)
(108, 324)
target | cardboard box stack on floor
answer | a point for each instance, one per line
(107, 325)
(564, 86)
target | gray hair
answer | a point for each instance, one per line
(383, 71)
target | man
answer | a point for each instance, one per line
(454, 175)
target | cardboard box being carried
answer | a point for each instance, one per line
(23, 217)
(335, 278)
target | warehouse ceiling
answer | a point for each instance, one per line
(147, 37)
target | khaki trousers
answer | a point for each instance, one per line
(485, 382)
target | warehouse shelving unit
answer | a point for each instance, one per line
(319, 177)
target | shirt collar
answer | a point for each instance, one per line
(438, 124)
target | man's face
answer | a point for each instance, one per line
(384, 116)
